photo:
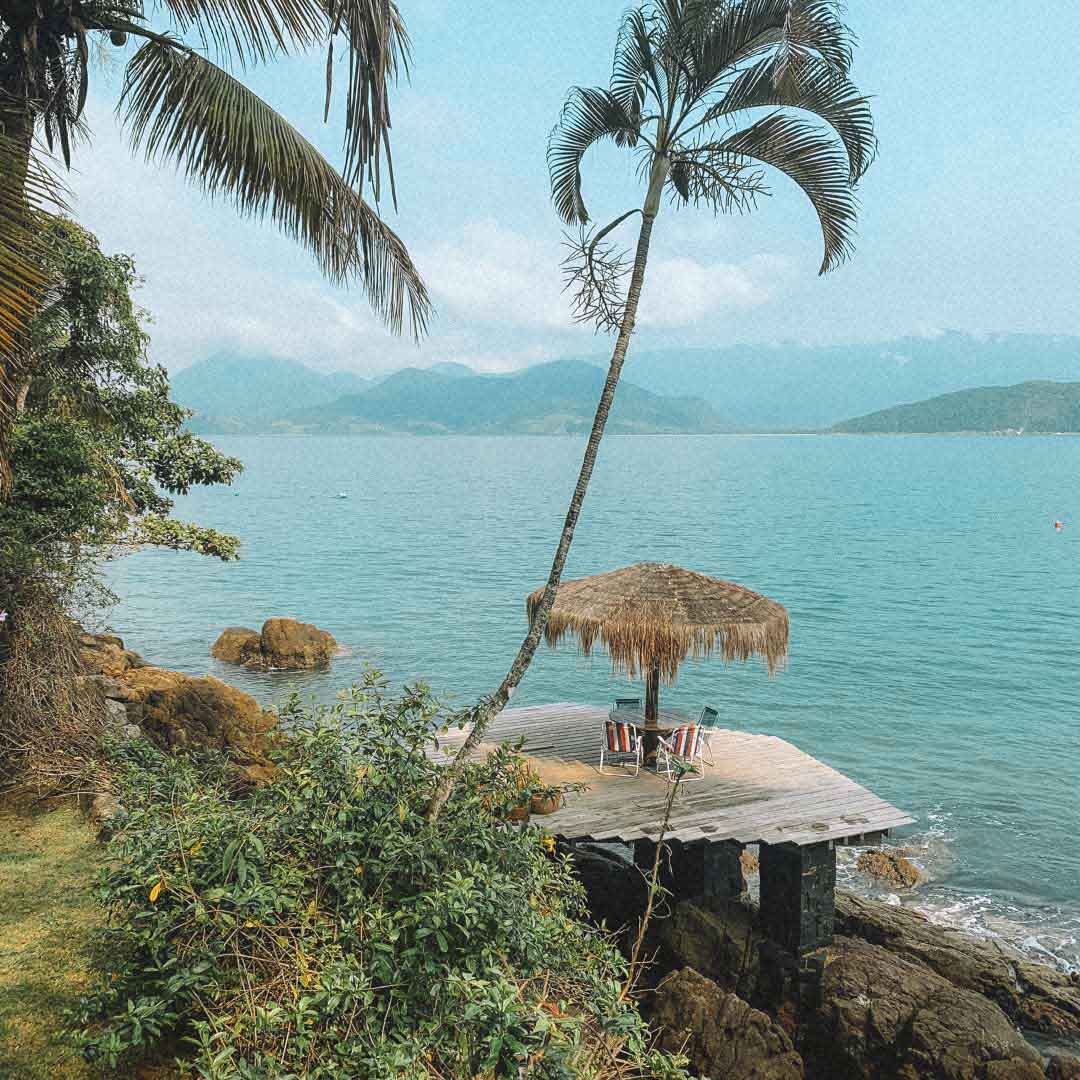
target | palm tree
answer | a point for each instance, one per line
(178, 105)
(687, 90)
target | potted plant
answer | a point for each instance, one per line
(545, 799)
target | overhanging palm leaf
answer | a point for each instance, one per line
(816, 162)
(376, 46)
(590, 114)
(181, 107)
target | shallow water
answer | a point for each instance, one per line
(933, 608)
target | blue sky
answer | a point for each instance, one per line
(970, 220)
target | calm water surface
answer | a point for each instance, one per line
(934, 610)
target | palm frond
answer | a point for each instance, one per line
(812, 85)
(786, 29)
(633, 71)
(250, 31)
(590, 115)
(178, 106)
(815, 160)
(26, 185)
(377, 47)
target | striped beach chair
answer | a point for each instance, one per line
(682, 747)
(621, 741)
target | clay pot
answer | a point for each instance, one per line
(539, 804)
(518, 813)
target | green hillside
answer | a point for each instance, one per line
(227, 392)
(548, 399)
(1031, 407)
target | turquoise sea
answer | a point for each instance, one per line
(935, 611)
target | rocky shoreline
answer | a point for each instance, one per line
(895, 996)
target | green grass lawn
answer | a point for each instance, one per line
(48, 866)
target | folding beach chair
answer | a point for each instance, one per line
(621, 741)
(682, 748)
(710, 721)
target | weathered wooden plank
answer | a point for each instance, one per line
(760, 788)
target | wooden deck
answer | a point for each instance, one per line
(761, 789)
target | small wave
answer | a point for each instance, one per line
(1047, 933)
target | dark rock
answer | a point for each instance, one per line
(889, 866)
(721, 1034)
(719, 941)
(1015, 1069)
(238, 645)
(179, 712)
(615, 890)
(1033, 995)
(1063, 1067)
(884, 1015)
(104, 654)
(283, 644)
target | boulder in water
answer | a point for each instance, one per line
(238, 645)
(296, 646)
(283, 644)
(889, 866)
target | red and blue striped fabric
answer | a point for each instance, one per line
(621, 737)
(685, 741)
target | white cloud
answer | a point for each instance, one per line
(680, 290)
(495, 275)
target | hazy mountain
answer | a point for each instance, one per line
(767, 387)
(448, 367)
(1030, 406)
(554, 398)
(228, 391)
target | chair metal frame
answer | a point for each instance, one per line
(708, 721)
(666, 755)
(636, 743)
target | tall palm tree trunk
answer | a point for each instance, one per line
(492, 706)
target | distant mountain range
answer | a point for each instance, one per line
(250, 395)
(233, 391)
(794, 387)
(736, 388)
(1030, 407)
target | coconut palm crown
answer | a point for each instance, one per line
(689, 84)
(179, 105)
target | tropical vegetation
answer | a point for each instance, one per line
(709, 95)
(97, 449)
(322, 927)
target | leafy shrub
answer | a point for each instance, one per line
(321, 927)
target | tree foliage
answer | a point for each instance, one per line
(98, 446)
(320, 927)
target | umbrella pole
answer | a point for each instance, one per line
(652, 709)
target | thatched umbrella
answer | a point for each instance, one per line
(652, 616)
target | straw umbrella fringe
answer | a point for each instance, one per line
(652, 616)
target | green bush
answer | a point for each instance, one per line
(321, 927)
